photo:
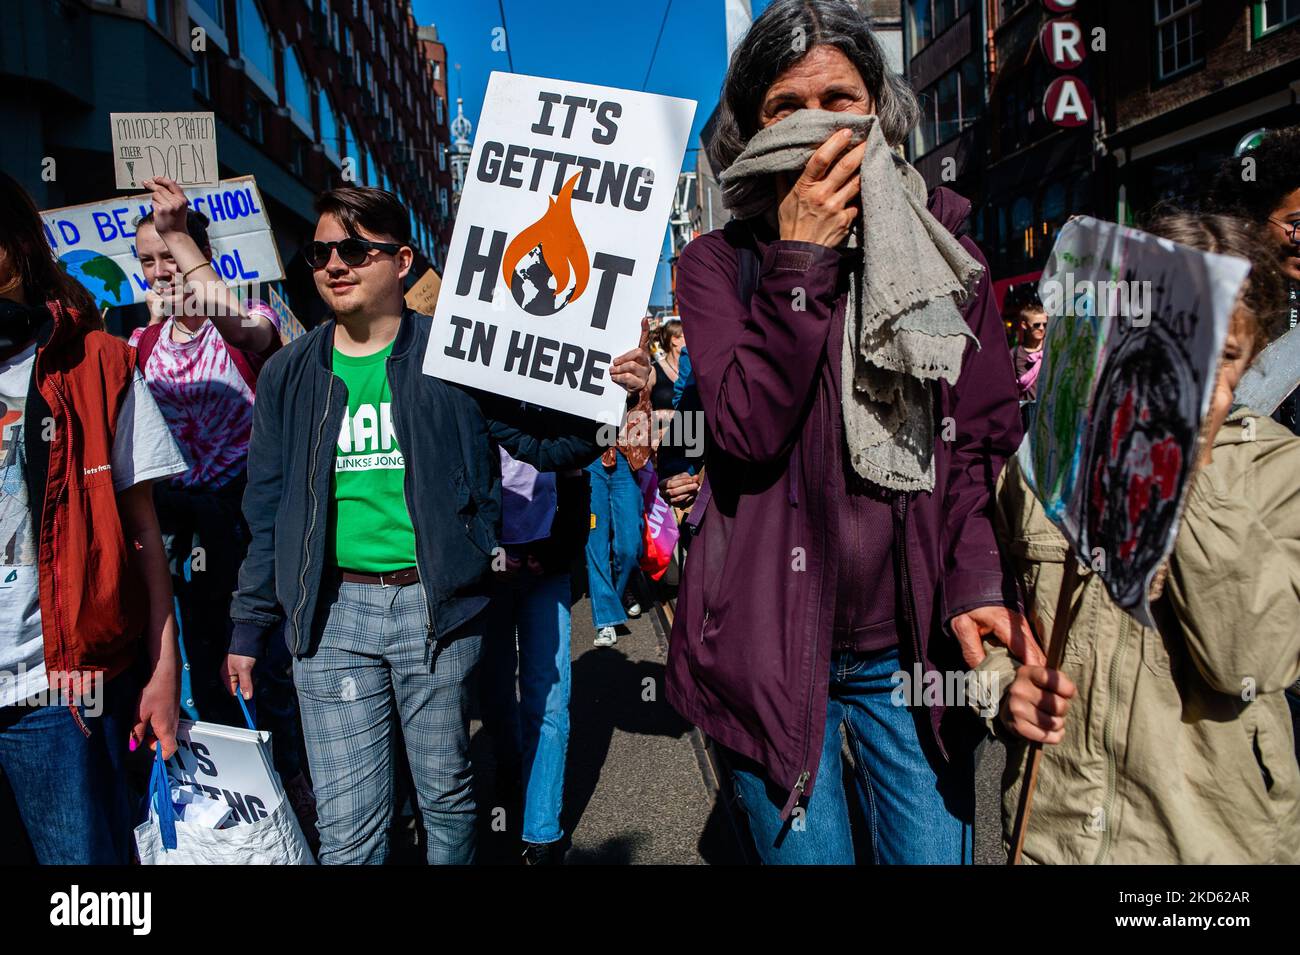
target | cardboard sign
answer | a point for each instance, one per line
(1135, 328)
(423, 296)
(180, 146)
(229, 764)
(95, 242)
(557, 240)
(290, 327)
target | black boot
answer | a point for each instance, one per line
(544, 853)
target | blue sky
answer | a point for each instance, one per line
(608, 42)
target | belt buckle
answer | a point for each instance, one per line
(382, 582)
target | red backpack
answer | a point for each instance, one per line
(249, 365)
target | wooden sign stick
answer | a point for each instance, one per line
(1055, 653)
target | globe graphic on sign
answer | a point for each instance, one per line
(100, 275)
(533, 285)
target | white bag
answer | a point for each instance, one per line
(233, 766)
(274, 840)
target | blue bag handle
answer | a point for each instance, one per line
(160, 797)
(248, 718)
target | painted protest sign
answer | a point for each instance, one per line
(229, 764)
(290, 327)
(180, 146)
(1136, 326)
(95, 242)
(557, 240)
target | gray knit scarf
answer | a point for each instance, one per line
(902, 325)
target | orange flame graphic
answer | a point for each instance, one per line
(562, 245)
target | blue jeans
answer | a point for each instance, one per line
(532, 728)
(369, 663)
(619, 516)
(71, 788)
(918, 809)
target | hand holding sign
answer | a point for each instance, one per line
(632, 368)
(169, 206)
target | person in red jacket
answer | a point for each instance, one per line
(87, 638)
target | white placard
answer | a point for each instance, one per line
(567, 194)
(96, 242)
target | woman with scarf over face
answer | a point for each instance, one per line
(860, 403)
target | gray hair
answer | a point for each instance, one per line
(782, 36)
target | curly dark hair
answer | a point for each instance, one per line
(1276, 175)
(768, 50)
(1265, 291)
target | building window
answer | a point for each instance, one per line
(1272, 14)
(948, 106)
(160, 15)
(329, 125)
(256, 47)
(215, 10)
(199, 77)
(297, 95)
(252, 123)
(927, 19)
(1179, 44)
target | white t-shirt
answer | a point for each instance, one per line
(143, 450)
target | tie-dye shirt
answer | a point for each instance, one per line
(205, 400)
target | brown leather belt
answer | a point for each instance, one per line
(394, 578)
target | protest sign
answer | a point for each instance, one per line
(290, 327)
(95, 242)
(180, 146)
(1136, 325)
(229, 764)
(557, 240)
(423, 296)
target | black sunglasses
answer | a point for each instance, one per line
(351, 250)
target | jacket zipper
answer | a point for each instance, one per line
(1108, 738)
(58, 499)
(909, 610)
(801, 784)
(406, 499)
(311, 526)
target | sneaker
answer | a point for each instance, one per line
(605, 637)
(544, 853)
(633, 609)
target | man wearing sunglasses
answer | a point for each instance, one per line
(374, 500)
(1023, 310)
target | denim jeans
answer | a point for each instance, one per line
(918, 809)
(531, 636)
(368, 663)
(71, 788)
(614, 544)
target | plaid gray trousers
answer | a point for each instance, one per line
(368, 662)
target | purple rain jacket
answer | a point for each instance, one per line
(749, 661)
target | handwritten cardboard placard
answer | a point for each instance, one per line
(180, 146)
(1135, 328)
(557, 240)
(423, 295)
(95, 242)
